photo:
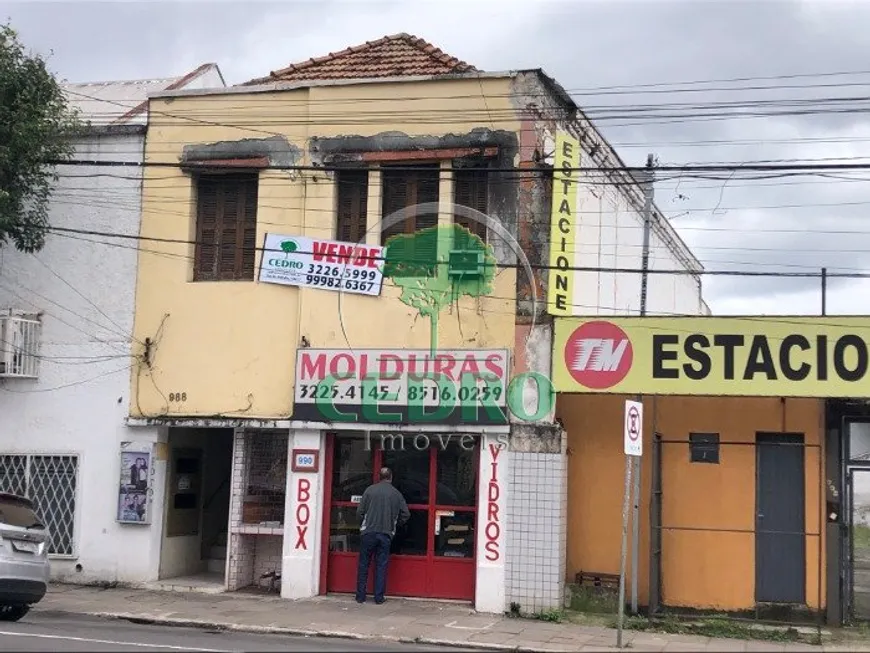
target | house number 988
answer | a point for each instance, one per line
(177, 396)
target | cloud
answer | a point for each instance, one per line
(731, 224)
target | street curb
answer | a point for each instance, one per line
(299, 632)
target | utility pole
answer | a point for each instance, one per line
(824, 291)
(648, 191)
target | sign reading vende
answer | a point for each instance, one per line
(745, 356)
(326, 264)
(401, 386)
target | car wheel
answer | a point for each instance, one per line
(13, 612)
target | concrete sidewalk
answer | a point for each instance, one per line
(410, 621)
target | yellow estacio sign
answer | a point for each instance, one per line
(560, 282)
(748, 356)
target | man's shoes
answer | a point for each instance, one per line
(380, 601)
(359, 600)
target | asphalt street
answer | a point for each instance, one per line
(45, 631)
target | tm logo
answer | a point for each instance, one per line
(598, 355)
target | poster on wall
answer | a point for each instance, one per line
(323, 264)
(134, 489)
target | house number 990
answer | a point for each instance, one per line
(177, 396)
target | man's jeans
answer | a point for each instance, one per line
(379, 545)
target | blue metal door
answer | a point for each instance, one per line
(780, 537)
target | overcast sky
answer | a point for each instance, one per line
(795, 224)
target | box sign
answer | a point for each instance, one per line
(739, 356)
(323, 264)
(402, 386)
(563, 225)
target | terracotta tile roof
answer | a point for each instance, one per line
(399, 55)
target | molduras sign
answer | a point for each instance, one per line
(741, 356)
(323, 264)
(563, 227)
(402, 386)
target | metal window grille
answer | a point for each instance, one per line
(19, 347)
(267, 477)
(51, 483)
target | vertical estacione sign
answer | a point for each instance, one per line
(563, 225)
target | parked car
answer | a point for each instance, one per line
(24, 566)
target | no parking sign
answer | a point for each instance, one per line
(633, 428)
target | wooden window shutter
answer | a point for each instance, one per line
(394, 198)
(352, 205)
(471, 189)
(229, 252)
(425, 252)
(428, 181)
(205, 258)
(226, 228)
(249, 226)
(404, 188)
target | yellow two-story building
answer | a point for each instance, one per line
(280, 351)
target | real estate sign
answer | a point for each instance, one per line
(323, 264)
(743, 356)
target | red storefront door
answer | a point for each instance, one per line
(433, 555)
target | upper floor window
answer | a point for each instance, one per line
(471, 189)
(406, 187)
(226, 227)
(352, 205)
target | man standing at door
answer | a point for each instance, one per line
(380, 510)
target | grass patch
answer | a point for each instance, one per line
(556, 616)
(716, 626)
(593, 600)
(861, 536)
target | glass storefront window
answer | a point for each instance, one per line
(410, 473)
(456, 476)
(344, 530)
(454, 534)
(352, 468)
(413, 537)
(442, 508)
(859, 441)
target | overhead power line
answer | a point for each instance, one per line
(728, 80)
(728, 167)
(625, 270)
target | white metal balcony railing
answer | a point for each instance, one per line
(19, 347)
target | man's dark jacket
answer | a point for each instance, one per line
(381, 508)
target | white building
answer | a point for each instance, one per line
(65, 330)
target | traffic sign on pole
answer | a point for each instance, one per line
(633, 428)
